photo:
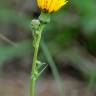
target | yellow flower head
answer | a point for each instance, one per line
(51, 5)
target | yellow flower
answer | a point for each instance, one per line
(51, 5)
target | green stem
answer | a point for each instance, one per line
(35, 59)
(32, 87)
(32, 82)
(37, 26)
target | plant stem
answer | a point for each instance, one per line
(32, 87)
(35, 59)
(37, 26)
(32, 82)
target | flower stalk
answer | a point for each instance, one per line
(47, 7)
(37, 27)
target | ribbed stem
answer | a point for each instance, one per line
(37, 26)
(32, 82)
(35, 59)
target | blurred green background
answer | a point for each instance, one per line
(68, 45)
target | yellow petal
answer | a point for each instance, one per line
(51, 9)
(45, 4)
(39, 3)
(61, 4)
(49, 4)
(42, 4)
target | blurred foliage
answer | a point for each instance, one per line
(71, 28)
(8, 52)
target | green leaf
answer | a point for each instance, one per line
(41, 67)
